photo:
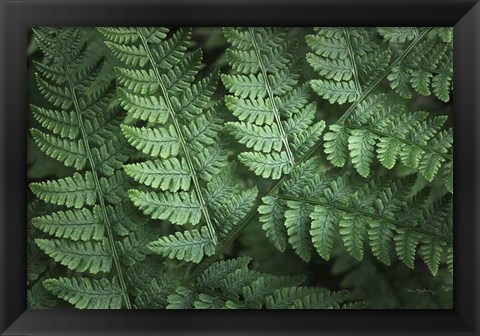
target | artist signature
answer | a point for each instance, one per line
(421, 291)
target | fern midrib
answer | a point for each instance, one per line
(365, 214)
(268, 87)
(111, 241)
(253, 212)
(196, 183)
(387, 135)
(377, 81)
(351, 55)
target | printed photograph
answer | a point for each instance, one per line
(240, 168)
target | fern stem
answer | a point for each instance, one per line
(235, 232)
(424, 148)
(183, 142)
(352, 59)
(111, 241)
(268, 87)
(379, 79)
(365, 214)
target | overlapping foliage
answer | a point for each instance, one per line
(152, 197)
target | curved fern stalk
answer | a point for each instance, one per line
(182, 136)
(348, 60)
(311, 209)
(427, 68)
(230, 284)
(83, 132)
(379, 128)
(275, 119)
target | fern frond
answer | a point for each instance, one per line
(82, 131)
(184, 131)
(388, 214)
(347, 59)
(231, 284)
(428, 67)
(157, 78)
(376, 125)
(265, 99)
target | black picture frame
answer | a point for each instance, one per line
(17, 15)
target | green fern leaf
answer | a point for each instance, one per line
(261, 139)
(297, 222)
(167, 175)
(323, 230)
(234, 210)
(398, 34)
(179, 208)
(386, 212)
(272, 217)
(71, 153)
(213, 275)
(93, 257)
(85, 293)
(271, 165)
(188, 245)
(39, 298)
(336, 145)
(231, 284)
(63, 124)
(153, 142)
(73, 224)
(361, 146)
(73, 191)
